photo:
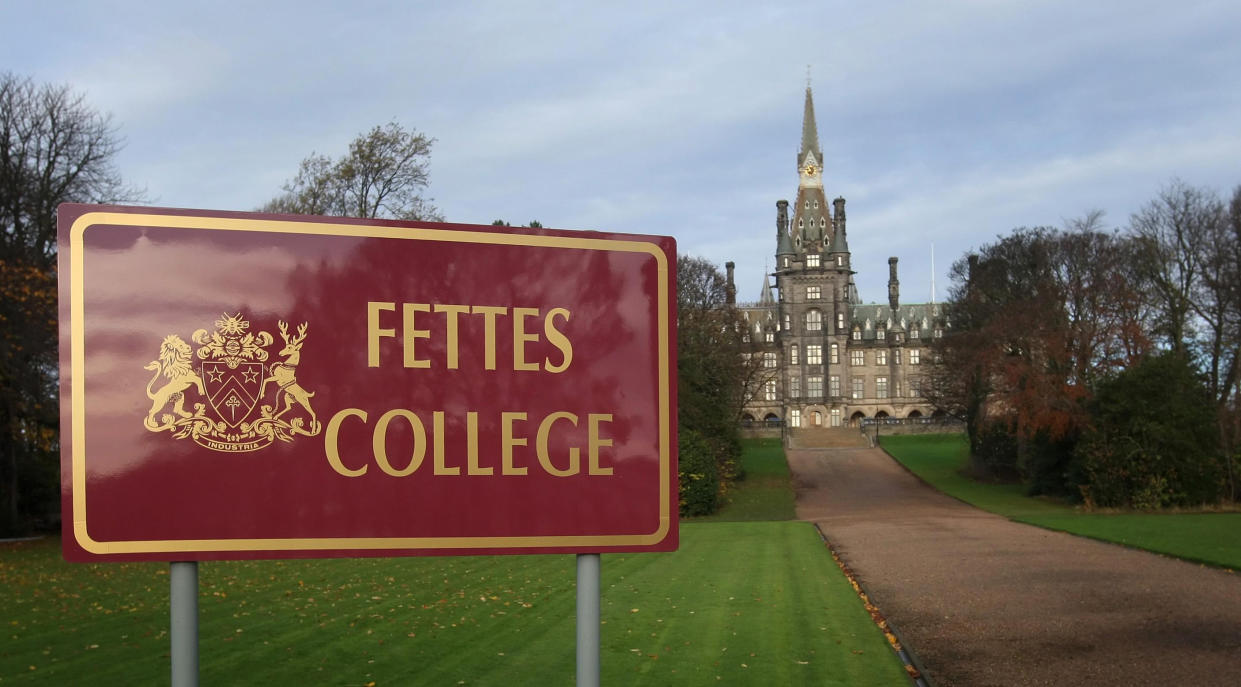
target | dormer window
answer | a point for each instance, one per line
(881, 333)
(857, 334)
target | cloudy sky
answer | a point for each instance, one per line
(942, 123)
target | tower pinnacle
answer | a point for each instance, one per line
(809, 132)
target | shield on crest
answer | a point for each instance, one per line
(233, 391)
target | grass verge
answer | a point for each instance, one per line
(1200, 537)
(741, 603)
(766, 492)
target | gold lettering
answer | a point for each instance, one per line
(332, 447)
(380, 443)
(545, 459)
(595, 442)
(520, 337)
(508, 441)
(373, 331)
(471, 446)
(411, 334)
(489, 313)
(437, 439)
(557, 339)
(452, 311)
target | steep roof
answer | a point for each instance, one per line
(809, 131)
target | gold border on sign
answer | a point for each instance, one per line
(77, 361)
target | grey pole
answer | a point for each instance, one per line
(183, 603)
(588, 620)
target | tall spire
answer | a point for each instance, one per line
(809, 132)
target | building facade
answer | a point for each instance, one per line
(827, 359)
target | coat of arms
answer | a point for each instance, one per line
(228, 386)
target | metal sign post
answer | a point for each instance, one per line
(588, 620)
(183, 606)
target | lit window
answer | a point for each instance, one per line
(769, 359)
(938, 333)
(835, 417)
(795, 387)
(814, 321)
(881, 357)
(813, 293)
(835, 385)
(769, 337)
(814, 386)
(896, 356)
(812, 260)
(788, 322)
(795, 418)
(857, 334)
(857, 358)
(881, 333)
(840, 261)
(840, 322)
(793, 356)
(915, 356)
(785, 262)
(814, 354)
(914, 333)
(835, 353)
(769, 390)
(881, 387)
(859, 386)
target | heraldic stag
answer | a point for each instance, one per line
(284, 374)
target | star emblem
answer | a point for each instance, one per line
(214, 374)
(250, 375)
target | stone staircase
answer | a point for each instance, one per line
(827, 437)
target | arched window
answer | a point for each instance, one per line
(814, 321)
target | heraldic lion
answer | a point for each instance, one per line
(173, 363)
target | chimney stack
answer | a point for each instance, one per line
(730, 290)
(894, 285)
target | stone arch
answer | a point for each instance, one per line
(856, 418)
(914, 414)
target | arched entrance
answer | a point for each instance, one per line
(856, 418)
(816, 418)
(914, 414)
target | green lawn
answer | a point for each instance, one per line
(765, 493)
(741, 603)
(1213, 538)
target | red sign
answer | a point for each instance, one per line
(240, 385)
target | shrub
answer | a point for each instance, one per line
(1153, 442)
(698, 474)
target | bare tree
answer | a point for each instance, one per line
(383, 176)
(54, 148)
(1171, 229)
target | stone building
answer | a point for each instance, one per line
(829, 360)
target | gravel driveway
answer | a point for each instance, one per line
(982, 600)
